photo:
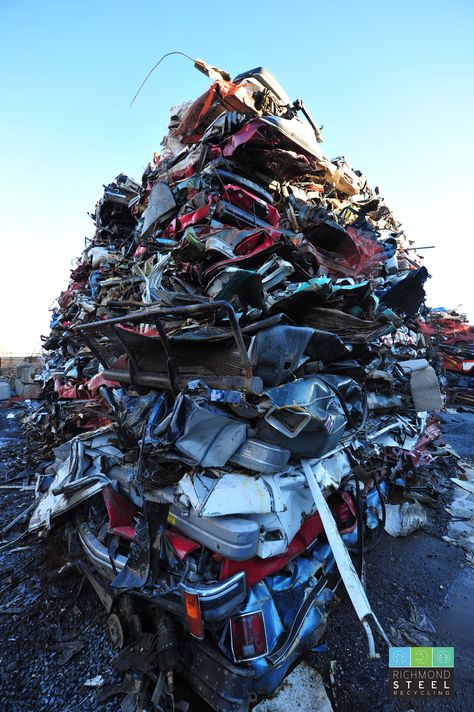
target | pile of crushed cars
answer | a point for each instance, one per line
(235, 382)
(453, 337)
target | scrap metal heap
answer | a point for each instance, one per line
(453, 338)
(238, 345)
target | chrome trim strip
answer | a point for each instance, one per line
(210, 592)
(206, 593)
(97, 551)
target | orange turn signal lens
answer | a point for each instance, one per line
(193, 614)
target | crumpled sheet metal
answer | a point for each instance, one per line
(204, 434)
(277, 352)
(331, 470)
(304, 416)
(271, 508)
(79, 475)
(161, 204)
(232, 494)
(276, 503)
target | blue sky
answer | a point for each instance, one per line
(391, 82)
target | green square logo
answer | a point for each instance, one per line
(421, 657)
(443, 657)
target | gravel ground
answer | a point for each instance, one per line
(44, 609)
(41, 609)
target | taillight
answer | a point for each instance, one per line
(248, 638)
(193, 614)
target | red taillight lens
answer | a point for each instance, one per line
(247, 636)
(193, 614)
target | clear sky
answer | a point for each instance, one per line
(392, 82)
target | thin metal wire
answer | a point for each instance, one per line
(154, 67)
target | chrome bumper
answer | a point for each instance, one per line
(217, 600)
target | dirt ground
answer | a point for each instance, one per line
(47, 615)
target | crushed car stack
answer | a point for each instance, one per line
(235, 381)
(453, 338)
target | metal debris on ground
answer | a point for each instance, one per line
(417, 630)
(403, 519)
